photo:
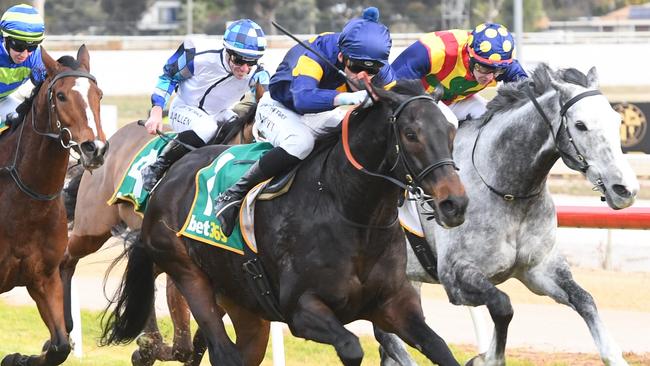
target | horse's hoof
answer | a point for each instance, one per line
(12, 359)
(138, 359)
(478, 360)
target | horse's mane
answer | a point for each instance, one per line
(511, 96)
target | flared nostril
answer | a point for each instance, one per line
(88, 147)
(448, 207)
(621, 191)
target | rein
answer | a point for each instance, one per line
(12, 169)
(413, 180)
(579, 160)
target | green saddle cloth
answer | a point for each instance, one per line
(223, 172)
(130, 187)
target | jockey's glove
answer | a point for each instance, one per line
(226, 116)
(359, 97)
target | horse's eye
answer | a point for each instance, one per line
(581, 126)
(411, 135)
(60, 96)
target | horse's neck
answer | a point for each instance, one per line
(42, 161)
(516, 149)
(360, 196)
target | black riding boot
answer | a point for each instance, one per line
(151, 174)
(227, 205)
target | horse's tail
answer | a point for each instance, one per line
(134, 298)
(230, 130)
(71, 189)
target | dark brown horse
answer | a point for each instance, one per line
(33, 160)
(95, 220)
(331, 247)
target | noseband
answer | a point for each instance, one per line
(413, 181)
(13, 171)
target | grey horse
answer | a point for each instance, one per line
(510, 225)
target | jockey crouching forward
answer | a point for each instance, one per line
(209, 80)
(302, 99)
(464, 63)
(20, 57)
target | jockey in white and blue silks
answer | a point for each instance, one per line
(209, 80)
(303, 97)
(20, 57)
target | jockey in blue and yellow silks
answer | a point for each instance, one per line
(464, 63)
(20, 57)
(302, 99)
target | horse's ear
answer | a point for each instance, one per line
(562, 88)
(50, 64)
(84, 57)
(592, 78)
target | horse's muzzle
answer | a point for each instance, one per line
(92, 153)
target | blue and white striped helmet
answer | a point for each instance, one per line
(23, 22)
(245, 38)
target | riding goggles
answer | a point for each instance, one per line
(20, 46)
(369, 66)
(239, 60)
(488, 70)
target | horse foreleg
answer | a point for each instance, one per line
(466, 285)
(402, 314)
(555, 280)
(315, 321)
(48, 295)
(392, 350)
(78, 247)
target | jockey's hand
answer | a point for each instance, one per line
(226, 116)
(154, 123)
(359, 97)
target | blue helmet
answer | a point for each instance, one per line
(245, 38)
(23, 22)
(365, 38)
(492, 45)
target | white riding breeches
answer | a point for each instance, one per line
(8, 105)
(295, 133)
(469, 108)
(183, 117)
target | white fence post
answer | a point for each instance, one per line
(277, 340)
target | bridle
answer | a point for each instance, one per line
(413, 180)
(578, 160)
(63, 131)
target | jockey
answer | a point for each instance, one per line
(464, 63)
(20, 58)
(208, 80)
(302, 100)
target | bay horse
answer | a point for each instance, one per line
(64, 114)
(510, 226)
(93, 222)
(331, 247)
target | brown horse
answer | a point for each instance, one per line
(330, 249)
(95, 221)
(64, 114)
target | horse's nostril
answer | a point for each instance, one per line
(88, 147)
(621, 191)
(448, 207)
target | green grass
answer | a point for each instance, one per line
(21, 330)
(129, 108)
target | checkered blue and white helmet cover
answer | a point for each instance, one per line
(245, 38)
